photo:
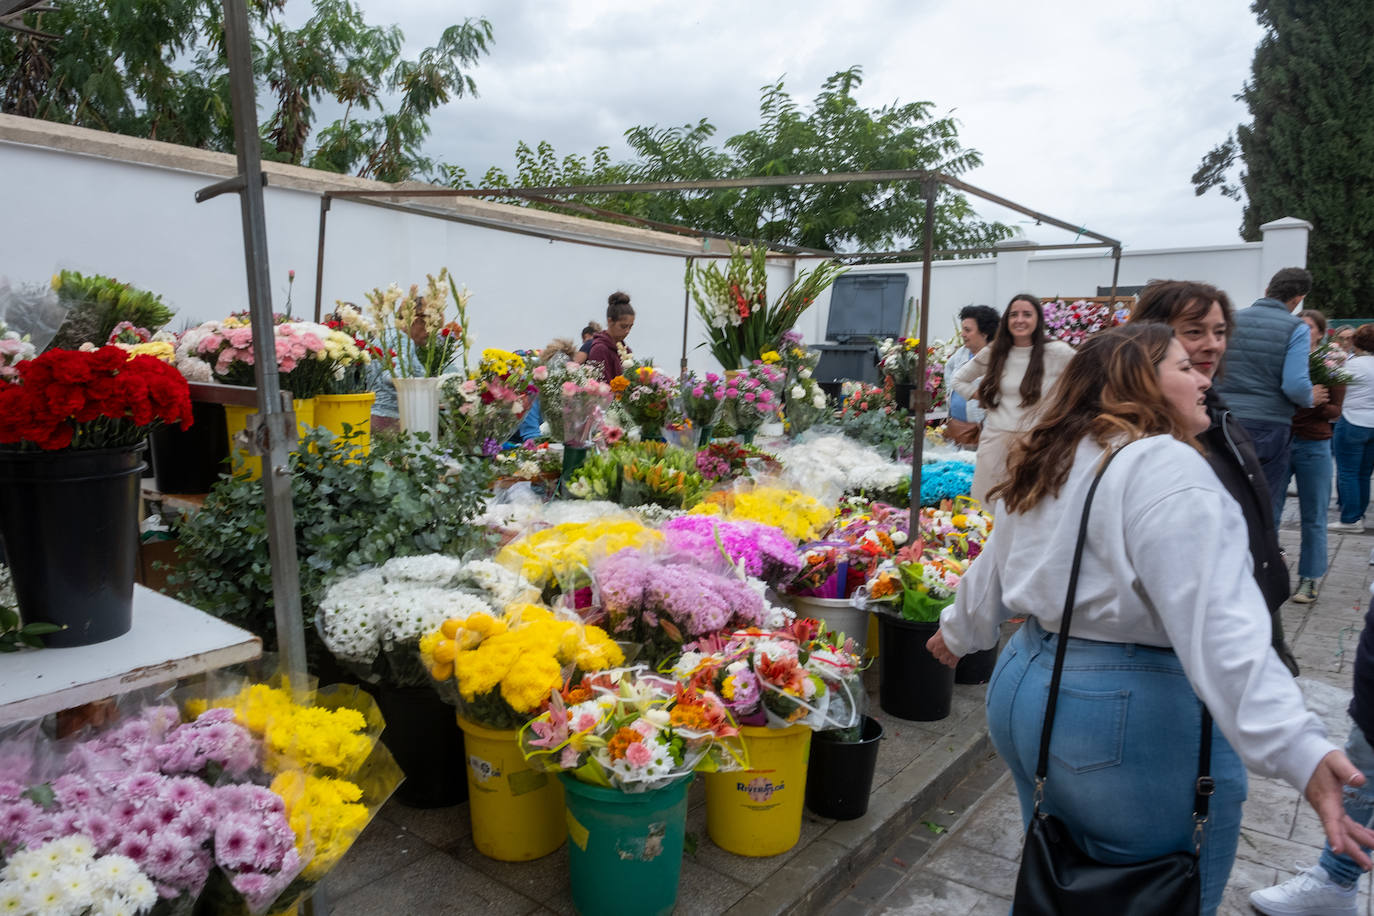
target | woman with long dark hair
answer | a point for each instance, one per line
(1166, 618)
(1010, 378)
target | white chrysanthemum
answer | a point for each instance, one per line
(433, 569)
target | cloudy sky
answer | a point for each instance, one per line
(1096, 113)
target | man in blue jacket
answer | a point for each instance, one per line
(1265, 378)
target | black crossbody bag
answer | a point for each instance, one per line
(1059, 879)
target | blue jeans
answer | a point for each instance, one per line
(1311, 464)
(1359, 804)
(1272, 447)
(1353, 448)
(1123, 756)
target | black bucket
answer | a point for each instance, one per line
(69, 521)
(976, 667)
(912, 684)
(839, 775)
(422, 734)
(191, 460)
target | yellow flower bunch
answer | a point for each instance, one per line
(342, 350)
(501, 362)
(298, 736)
(553, 552)
(164, 350)
(522, 654)
(768, 357)
(324, 813)
(800, 516)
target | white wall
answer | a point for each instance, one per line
(124, 207)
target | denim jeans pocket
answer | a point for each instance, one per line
(1089, 729)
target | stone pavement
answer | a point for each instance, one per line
(960, 858)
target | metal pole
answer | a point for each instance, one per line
(931, 187)
(319, 255)
(276, 431)
(686, 313)
(1116, 273)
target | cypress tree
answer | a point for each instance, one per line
(1309, 149)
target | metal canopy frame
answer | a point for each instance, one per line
(550, 196)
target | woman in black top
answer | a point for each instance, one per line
(1200, 315)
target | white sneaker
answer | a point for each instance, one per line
(1310, 892)
(1357, 525)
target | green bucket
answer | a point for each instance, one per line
(625, 849)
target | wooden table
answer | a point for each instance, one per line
(169, 640)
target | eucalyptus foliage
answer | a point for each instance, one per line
(1307, 149)
(403, 499)
(837, 134)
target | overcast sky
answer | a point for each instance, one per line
(1095, 113)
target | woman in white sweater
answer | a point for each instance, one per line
(1010, 379)
(1167, 616)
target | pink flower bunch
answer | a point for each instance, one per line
(1076, 321)
(584, 405)
(296, 343)
(762, 551)
(214, 739)
(750, 398)
(702, 398)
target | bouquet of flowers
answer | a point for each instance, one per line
(308, 355)
(758, 551)
(898, 357)
(937, 355)
(751, 398)
(660, 604)
(90, 399)
(644, 473)
(539, 462)
(799, 515)
(487, 406)
(351, 356)
(701, 399)
(411, 337)
(779, 678)
(957, 526)
(1076, 321)
(584, 403)
(919, 587)
(1323, 365)
(870, 415)
(562, 553)
(733, 304)
(550, 376)
(649, 397)
(729, 460)
(372, 622)
(631, 730)
(14, 349)
(500, 670)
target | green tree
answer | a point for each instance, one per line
(837, 134)
(1309, 148)
(157, 69)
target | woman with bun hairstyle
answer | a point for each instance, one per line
(605, 348)
(1011, 379)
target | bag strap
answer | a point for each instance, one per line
(1205, 786)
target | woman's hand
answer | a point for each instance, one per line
(1323, 792)
(936, 646)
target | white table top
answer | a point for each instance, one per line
(169, 640)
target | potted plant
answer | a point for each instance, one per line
(779, 684)
(372, 623)
(625, 744)
(72, 428)
(499, 670)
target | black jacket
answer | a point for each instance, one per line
(1233, 459)
(1362, 703)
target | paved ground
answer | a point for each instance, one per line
(960, 858)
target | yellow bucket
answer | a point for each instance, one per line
(236, 418)
(758, 811)
(871, 648)
(332, 411)
(517, 811)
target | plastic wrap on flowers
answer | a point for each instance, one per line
(634, 731)
(500, 669)
(834, 464)
(548, 554)
(774, 678)
(758, 550)
(801, 515)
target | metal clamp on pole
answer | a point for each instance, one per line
(227, 186)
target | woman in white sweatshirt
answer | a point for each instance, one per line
(1011, 378)
(1167, 617)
